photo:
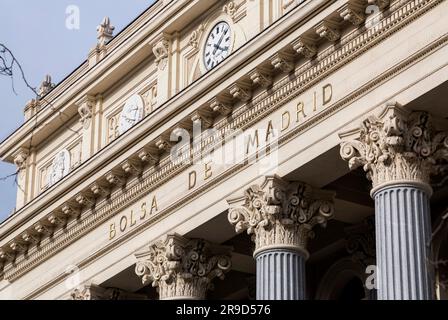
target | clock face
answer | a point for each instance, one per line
(217, 47)
(59, 168)
(132, 113)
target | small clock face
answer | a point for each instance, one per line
(132, 113)
(217, 47)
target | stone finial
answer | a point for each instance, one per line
(397, 146)
(105, 31)
(46, 86)
(181, 268)
(281, 214)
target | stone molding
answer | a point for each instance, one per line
(281, 214)
(397, 146)
(181, 268)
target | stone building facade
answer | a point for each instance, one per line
(246, 149)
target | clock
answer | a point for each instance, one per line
(60, 167)
(217, 46)
(132, 113)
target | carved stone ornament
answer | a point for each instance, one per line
(105, 31)
(221, 106)
(328, 30)
(161, 50)
(352, 14)
(230, 9)
(397, 146)
(85, 108)
(181, 268)
(196, 36)
(261, 77)
(241, 91)
(283, 62)
(280, 214)
(305, 47)
(60, 167)
(46, 86)
(20, 158)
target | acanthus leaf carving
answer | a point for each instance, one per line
(281, 214)
(399, 145)
(182, 268)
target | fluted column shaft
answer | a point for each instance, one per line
(280, 275)
(281, 216)
(403, 153)
(403, 238)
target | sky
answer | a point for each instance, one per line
(37, 34)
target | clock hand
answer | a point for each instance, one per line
(219, 42)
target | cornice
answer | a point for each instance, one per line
(243, 118)
(194, 95)
(127, 45)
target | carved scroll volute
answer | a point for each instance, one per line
(278, 214)
(181, 268)
(397, 146)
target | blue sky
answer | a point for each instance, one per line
(35, 31)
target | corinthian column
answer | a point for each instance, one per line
(280, 217)
(182, 269)
(400, 151)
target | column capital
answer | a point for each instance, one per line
(398, 146)
(281, 215)
(181, 268)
